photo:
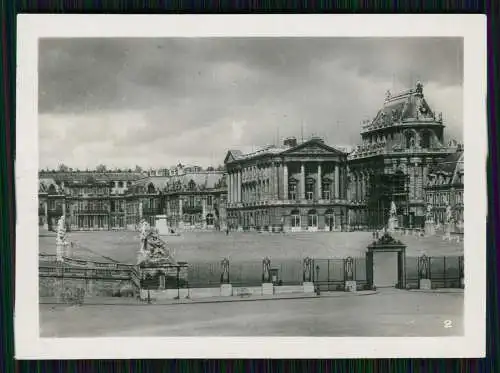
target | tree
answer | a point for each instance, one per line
(101, 168)
(62, 168)
(138, 169)
(210, 168)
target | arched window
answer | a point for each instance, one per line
(329, 219)
(52, 189)
(409, 140)
(295, 218)
(312, 218)
(210, 219)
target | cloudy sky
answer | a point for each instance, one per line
(157, 102)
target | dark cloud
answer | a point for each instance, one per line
(191, 98)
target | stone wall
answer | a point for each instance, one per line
(53, 286)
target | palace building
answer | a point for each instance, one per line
(90, 200)
(292, 187)
(445, 187)
(187, 200)
(308, 186)
(400, 147)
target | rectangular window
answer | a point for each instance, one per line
(309, 195)
(312, 220)
(295, 221)
(209, 201)
(292, 192)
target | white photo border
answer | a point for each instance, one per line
(29, 344)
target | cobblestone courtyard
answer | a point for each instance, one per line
(388, 313)
(213, 246)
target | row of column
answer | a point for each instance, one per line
(269, 187)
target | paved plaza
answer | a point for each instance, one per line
(387, 313)
(239, 246)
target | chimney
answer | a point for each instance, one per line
(290, 142)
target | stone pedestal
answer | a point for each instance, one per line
(425, 284)
(267, 289)
(60, 252)
(430, 229)
(162, 225)
(350, 286)
(226, 290)
(308, 287)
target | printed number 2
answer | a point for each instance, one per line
(448, 324)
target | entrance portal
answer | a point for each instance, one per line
(385, 263)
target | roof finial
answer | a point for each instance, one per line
(388, 95)
(419, 87)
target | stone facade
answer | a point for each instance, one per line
(294, 187)
(444, 187)
(89, 200)
(399, 147)
(193, 200)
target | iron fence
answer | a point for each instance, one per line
(442, 271)
(332, 274)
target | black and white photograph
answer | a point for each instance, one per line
(302, 186)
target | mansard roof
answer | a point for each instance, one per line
(196, 180)
(407, 106)
(449, 171)
(83, 176)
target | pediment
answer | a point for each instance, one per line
(313, 147)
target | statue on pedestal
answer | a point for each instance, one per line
(429, 227)
(307, 269)
(153, 250)
(266, 266)
(393, 219)
(61, 243)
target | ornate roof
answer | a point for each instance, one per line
(406, 106)
(449, 171)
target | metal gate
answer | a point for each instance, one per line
(332, 274)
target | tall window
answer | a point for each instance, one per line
(325, 190)
(292, 191)
(312, 218)
(309, 190)
(295, 219)
(209, 201)
(329, 218)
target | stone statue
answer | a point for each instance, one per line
(449, 214)
(307, 270)
(393, 220)
(424, 266)
(393, 210)
(419, 88)
(224, 277)
(266, 266)
(61, 243)
(388, 95)
(349, 263)
(153, 249)
(61, 231)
